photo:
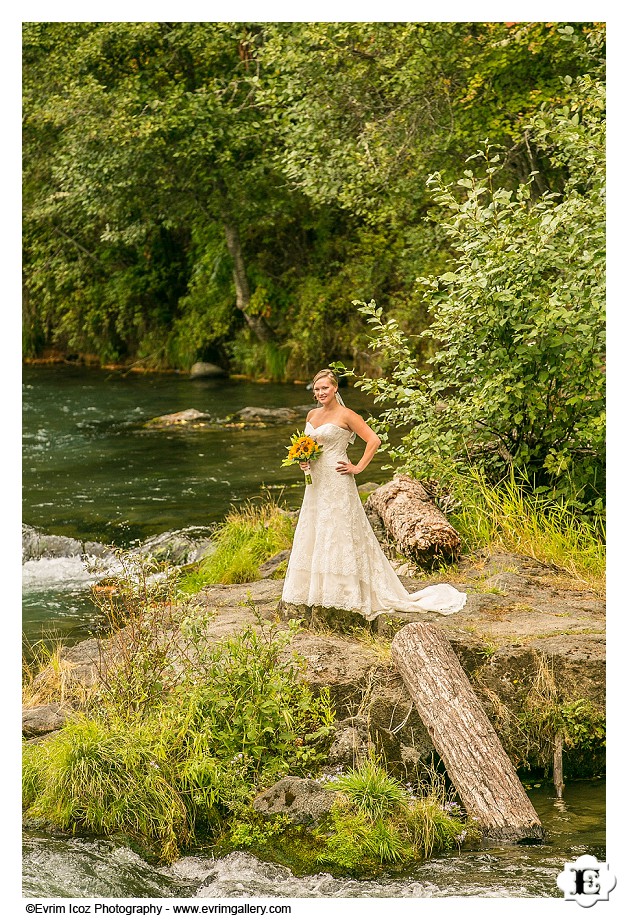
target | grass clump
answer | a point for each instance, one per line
(247, 538)
(378, 821)
(511, 519)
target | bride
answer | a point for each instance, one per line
(336, 560)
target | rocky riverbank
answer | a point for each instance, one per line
(530, 639)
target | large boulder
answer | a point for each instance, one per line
(304, 800)
(206, 369)
(40, 720)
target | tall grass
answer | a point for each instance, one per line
(507, 518)
(379, 821)
(371, 790)
(248, 537)
(46, 677)
(107, 777)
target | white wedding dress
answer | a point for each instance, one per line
(336, 560)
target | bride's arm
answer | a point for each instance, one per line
(356, 423)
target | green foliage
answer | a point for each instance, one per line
(237, 718)
(370, 790)
(581, 724)
(100, 777)
(159, 157)
(249, 830)
(378, 822)
(529, 730)
(249, 536)
(359, 843)
(516, 375)
(514, 519)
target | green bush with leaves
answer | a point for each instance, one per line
(515, 377)
(238, 717)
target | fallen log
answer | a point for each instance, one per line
(416, 526)
(461, 733)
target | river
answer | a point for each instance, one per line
(92, 472)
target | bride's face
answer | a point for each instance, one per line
(324, 391)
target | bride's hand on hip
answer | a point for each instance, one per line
(344, 466)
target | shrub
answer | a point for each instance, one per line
(238, 717)
(516, 339)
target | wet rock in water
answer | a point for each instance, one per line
(206, 369)
(36, 545)
(179, 547)
(303, 800)
(40, 720)
(260, 414)
(99, 550)
(189, 417)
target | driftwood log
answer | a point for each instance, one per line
(461, 733)
(415, 525)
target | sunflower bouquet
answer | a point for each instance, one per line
(302, 449)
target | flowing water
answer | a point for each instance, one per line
(92, 472)
(76, 867)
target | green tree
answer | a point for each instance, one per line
(153, 139)
(515, 380)
(204, 190)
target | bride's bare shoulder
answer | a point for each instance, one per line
(350, 417)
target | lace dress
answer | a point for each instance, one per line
(336, 559)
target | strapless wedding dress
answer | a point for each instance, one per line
(336, 559)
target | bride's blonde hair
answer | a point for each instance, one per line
(326, 372)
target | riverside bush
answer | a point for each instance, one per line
(516, 371)
(187, 761)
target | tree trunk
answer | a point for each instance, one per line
(474, 758)
(417, 527)
(243, 293)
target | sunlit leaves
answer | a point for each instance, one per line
(517, 371)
